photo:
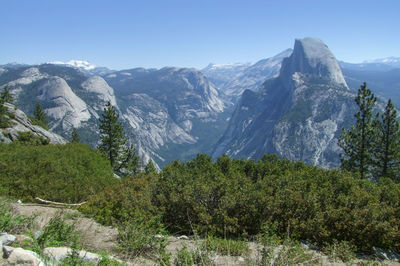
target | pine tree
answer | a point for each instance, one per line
(6, 96)
(387, 143)
(114, 144)
(150, 168)
(3, 112)
(75, 136)
(356, 142)
(40, 116)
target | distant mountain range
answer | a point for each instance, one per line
(293, 104)
(171, 113)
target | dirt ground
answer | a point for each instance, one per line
(97, 238)
(94, 236)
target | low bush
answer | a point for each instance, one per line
(65, 173)
(11, 222)
(57, 233)
(128, 200)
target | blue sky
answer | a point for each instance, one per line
(188, 33)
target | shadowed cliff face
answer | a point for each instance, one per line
(298, 115)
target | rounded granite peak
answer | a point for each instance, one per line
(312, 56)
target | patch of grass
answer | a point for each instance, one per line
(184, 257)
(11, 222)
(227, 247)
(137, 238)
(57, 233)
(343, 251)
(291, 253)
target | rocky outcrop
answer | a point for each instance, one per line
(233, 80)
(62, 104)
(19, 122)
(57, 254)
(297, 115)
(102, 90)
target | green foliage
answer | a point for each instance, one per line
(343, 251)
(114, 144)
(39, 123)
(387, 144)
(357, 142)
(6, 96)
(57, 233)
(130, 199)
(199, 256)
(150, 168)
(226, 247)
(291, 253)
(137, 237)
(39, 117)
(237, 198)
(75, 136)
(4, 120)
(64, 173)
(10, 221)
(29, 138)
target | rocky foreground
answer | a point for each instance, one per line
(100, 246)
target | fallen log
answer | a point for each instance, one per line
(58, 203)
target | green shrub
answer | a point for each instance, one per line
(130, 199)
(38, 122)
(199, 256)
(65, 173)
(29, 138)
(11, 222)
(57, 233)
(343, 251)
(226, 247)
(237, 198)
(136, 238)
(291, 253)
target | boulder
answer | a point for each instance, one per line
(19, 256)
(386, 254)
(21, 123)
(59, 253)
(6, 239)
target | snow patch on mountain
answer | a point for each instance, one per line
(75, 63)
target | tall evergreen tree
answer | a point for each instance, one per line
(75, 136)
(356, 142)
(39, 115)
(387, 143)
(114, 144)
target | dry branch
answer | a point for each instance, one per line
(58, 203)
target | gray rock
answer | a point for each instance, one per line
(3, 138)
(386, 254)
(59, 253)
(20, 122)
(234, 79)
(19, 256)
(6, 239)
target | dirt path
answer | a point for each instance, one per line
(94, 236)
